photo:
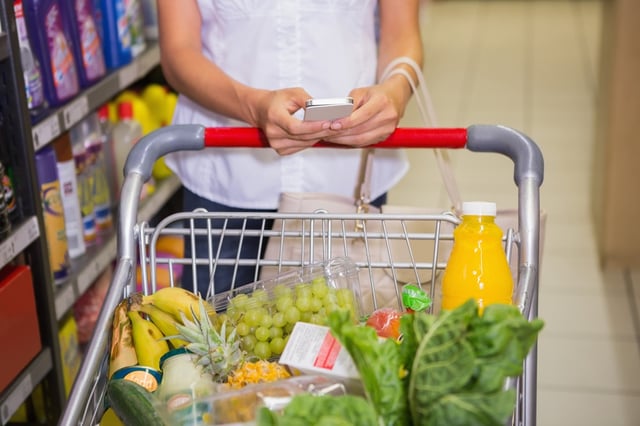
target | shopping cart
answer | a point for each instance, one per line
(137, 241)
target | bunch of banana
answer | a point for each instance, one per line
(174, 300)
(148, 340)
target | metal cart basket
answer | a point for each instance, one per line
(321, 234)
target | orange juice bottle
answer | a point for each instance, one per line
(477, 267)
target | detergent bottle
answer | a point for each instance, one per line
(477, 267)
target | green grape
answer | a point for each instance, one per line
(319, 288)
(288, 329)
(275, 332)
(316, 304)
(249, 342)
(279, 319)
(292, 315)
(265, 319)
(262, 350)
(318, 319)
(262, 334)
(252, 317)
(260, 295)
(284, 302)
(305, 316)
(303, 304)
(282, 290)
(242, 329)
(303, 291)
(345, 297)
(277, 345)
(239, 301)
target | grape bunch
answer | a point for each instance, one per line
(265, 318)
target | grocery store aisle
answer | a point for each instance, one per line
(533, 65)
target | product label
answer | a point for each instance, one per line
(63, 70)
(122, 23)
(85, 195)
(70, 203)
(55, 230)
(144, 379)
(30, 67)
(92, 58)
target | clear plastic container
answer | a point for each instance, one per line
(239, 407)
(264, 313)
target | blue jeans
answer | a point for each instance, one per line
(223, 276)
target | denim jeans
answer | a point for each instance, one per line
(223, 276)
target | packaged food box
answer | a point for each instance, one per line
(264, 313)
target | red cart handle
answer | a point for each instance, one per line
(251, 137)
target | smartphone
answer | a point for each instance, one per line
(327, 109)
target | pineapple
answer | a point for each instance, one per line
(218, 353)
(260, 371)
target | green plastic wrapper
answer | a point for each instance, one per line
(414, 298)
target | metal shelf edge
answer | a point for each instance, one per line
(26, 233)
(24, 384)
(99, 257)
(63, 118)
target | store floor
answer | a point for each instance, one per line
(533, 65)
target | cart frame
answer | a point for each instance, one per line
(137, 242)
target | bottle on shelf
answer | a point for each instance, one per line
(87, 46)
(5, 224)
(53, 213)
(66, 166)
(126, 133)
(52, 45)
(477, 267)
(106, 136)
(116, 32)
(31, 69)
(84, 174)
(96, 163)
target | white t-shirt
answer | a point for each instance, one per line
(328, 47)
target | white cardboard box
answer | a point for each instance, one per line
(312, 349)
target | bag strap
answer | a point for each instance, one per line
(428, 115)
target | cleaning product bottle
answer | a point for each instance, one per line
(50, 41)
(477, 267)
(87, 45)
(100, 188)
(116, 40)
(106, 136)
(30, 65)
(125, 134)
(53, 213)
(84, 174)
(136, 27)
(66, 167)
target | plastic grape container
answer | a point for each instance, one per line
(263, 313)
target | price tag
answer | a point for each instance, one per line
(46, 131)
(17, 397)
(127, 76)
(75, 111)
(32, 231)
(7, 251)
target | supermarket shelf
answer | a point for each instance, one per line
(4, 46)
(89, 266)
(24, 384)
(19, 239)
(90, 99)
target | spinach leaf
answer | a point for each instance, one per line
(380, 366)
(321, 410)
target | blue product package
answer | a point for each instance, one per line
(116, 32)
(87, 46)
(53, 48)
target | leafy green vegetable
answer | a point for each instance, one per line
(462, 361)
(380, 366)
(321, 410)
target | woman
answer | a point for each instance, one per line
(255, 63)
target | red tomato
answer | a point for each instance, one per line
(386, 322)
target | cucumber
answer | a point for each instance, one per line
(133, 404)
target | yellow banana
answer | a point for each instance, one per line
(165, 322)
(148, 341)
(174, 300)
(122, 352)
